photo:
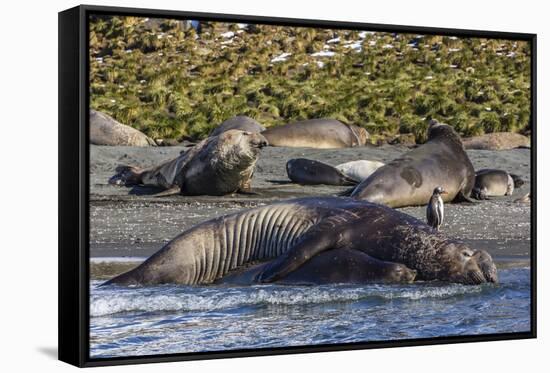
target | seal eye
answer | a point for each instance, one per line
(467, 253)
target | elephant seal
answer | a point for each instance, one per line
(492, 183)
(342, 266)
(410, 179)
(310, 172)
(317, 133)
(104, 130)
(216, 166)
(359, 170)
(240, 122)
(293, 231)
(497, 141)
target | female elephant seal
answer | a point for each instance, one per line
(104, 130)
(343, 266)
(317, 133)
(410, 179)
(294, 231)
(492, 183)
(310, 172)
(216, 166)
(240, 122)
(359, 170)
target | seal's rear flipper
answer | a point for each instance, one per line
(248, 192)
(168, 192)
(346, 193)
(461, 197)
(349, 181)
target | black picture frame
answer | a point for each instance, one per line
(74, 184)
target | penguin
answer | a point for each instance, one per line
(434, 211)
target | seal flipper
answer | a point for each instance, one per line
(346, 193)
(461, 197)
(313, 244)
(169, 192)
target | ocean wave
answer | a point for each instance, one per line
(106, 301)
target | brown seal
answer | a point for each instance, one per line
(290, 233)
(217, 165)
(104, 130)
(410, 179)
(497, 141)
(317, 133)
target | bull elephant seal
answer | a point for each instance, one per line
(410, 179)
(104, 130)
(240, 122)
(216, 166)
(292, 232)
(342, 266)
(359, 170)
(492, 183)
(497, 141)
(310, 172)
(317, 133)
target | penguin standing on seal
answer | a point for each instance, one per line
(435, 209)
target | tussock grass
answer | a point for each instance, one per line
(163, 78)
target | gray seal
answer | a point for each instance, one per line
(309, 172)
(317, 133)
(360, 169)
(240, 122)
(410, 179)
(104, 130)
(342, 266)
(497, 141)
(493, 183)
(216, 166)
(289, 233)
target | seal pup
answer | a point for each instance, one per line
(104, 130)
(332, 267)
(410, 179)
(309, 172)
(291, 232)
(216, 166)
(435, 209)
(493, 183)
(359, 170)
(240, 122)
(317, 133)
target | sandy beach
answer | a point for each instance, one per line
(128, 222)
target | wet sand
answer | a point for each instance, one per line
(129, 222)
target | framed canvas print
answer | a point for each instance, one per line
(238, 185)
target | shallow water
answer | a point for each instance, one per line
(176, 319)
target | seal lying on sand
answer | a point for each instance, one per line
(294, 231)
(410, 179)
(216, 166)
(310, 172)
(332, 267)
(359, 170)
(492, 183)
(240, 122)
(497, 141)
(317, 133)
(104, 130)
